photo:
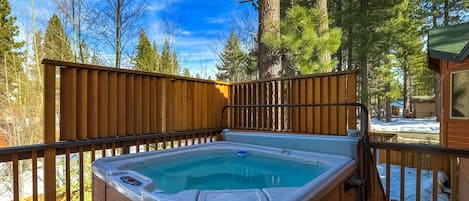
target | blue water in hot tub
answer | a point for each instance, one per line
(225, 170)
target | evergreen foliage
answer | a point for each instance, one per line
(234, 63)
(301, 45)
(9, 47)
(146, 58)
(56, 42)
(168, 60)
(186, 72)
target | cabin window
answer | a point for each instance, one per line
(460, 95)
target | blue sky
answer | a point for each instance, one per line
(200, 26)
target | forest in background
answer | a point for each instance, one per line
(384, 40)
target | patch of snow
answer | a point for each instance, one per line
(410, 183)
(420, 125)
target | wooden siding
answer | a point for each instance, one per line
(454, 132)
(313, 89)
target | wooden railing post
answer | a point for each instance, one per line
(49, 132)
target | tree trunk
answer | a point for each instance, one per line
(388, 103)
(324, 26)
(339, 24)
(118, 32)
(269, 20)
(406, 90)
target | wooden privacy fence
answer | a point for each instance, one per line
(324, 88)
(98, 102)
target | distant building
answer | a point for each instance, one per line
(422, 106)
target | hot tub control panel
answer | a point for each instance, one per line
(130, 181)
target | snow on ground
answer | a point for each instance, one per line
(410, 183)
(422, 125)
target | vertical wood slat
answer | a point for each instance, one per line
(257, 102)
(418, 176)
(16, 185)
(454, 178)
(373, 173)
(281, 109)
(112, 104)
(81, 174)
(274, 102)
(248, 109)
(263, 109)
(302, 96)
(82, 104)
(153, 105)
(295, 110)
(92, 152)
(92, 104)
(129, 91)
(34, 173)
(333, 117)
(203, 113)
(290, 101)
(162, 106)
(49, 132)
(146, 105)
(121, 104)
(68, 184)
(351, 98)
(325, 93)
(310, 110)
(435, 160)
(342, 113)
(103, 101)
(113, 149)
(402, 181)
(138, 105)
(318, 118)
(68, 103)
(196, 108)
(388, 174)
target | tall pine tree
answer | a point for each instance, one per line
(233, 61)
(56, 42)
(168, 60)
(146, 58)
(303, 48)
(9, 47)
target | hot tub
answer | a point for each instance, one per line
(271, 167)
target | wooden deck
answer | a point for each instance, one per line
(106, 112)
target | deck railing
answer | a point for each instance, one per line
(73, 160)
(104, 112)
(426, 159)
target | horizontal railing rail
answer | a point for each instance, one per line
(64, 64)
(24, 152)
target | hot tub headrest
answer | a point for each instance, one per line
(340, 145)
